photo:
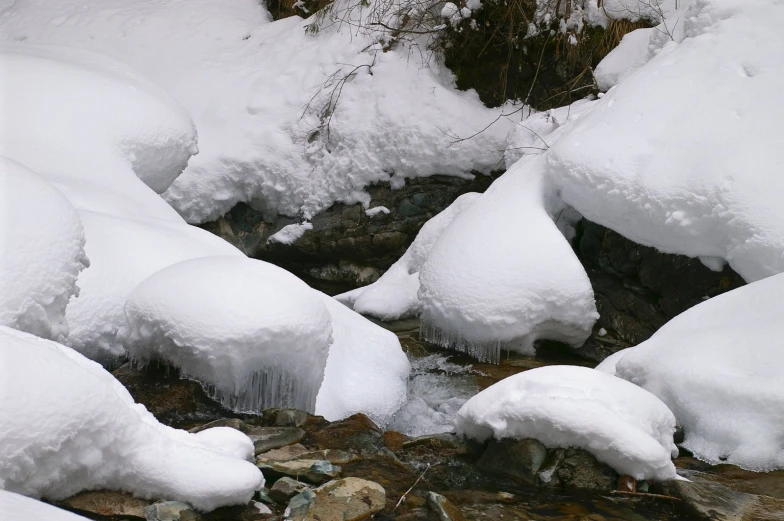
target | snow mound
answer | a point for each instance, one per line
(16, 507)
(41, 253)
(502, 275)
(630, 55)
(102, 126)
(366, 371)
(621, 424)
(124, 252)
(684, 155)
(394, 295)
(718, 366)
(252, 333)
(263, 96)
(290, 233)
(67, 425)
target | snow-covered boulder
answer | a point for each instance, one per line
(16, 507)
(67, 425)
(502, 275)
(394, 295)
(684, 155)
(631, 54)
(41, 252)
(254, 334)
(366, 371)
(720, 367)
(624, 426)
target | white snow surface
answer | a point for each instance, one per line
(254, 334)
(621, 424)
(684, 154)
(257, 91)
(16, 507)
(366, 371)
(394, 295)
(718, 366)
(290, 233)
(41, 252)
(631, 54)
(67, 425)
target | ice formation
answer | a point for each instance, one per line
(366, 371)
(621, 424)
(252, 333)
(502, 275)
(67, 425)
(718, 366)
(41, 252)
(684, 154)
(246, 81)
(16, 507)
(394, 295)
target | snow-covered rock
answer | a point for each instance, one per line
(67, 425)
(684, 155)
(247, 82)
(41, 252)
(16, 507)
(718, 366)
(630, 55)
(502, 275)
(624, 426)
(366, 371)
(123, 253)
(252, 333)
(394, 295)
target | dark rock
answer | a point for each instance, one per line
(288, 418)
(576, 468)
(286, 488)
(349, 499)
(443, 508)
(107, 503)
(287, 453)
(171, 511)
(311, 471)
(234, 423)
(268, 438)
(356, 433)
(520, 459)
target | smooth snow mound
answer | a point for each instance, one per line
(100, 135)
(367, 371)
(67, 425)
(254, 334)
(502, 275)
(685, 154)
(16, 507)
(394, 295)
(41, 252)
(124, 252)
(621, 424)
(630, 55)
(262, 95)
(718, 366)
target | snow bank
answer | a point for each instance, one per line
(123, 253)
(67, 425)
(247, 82)
(502, 275)
(252, 333)
(15, 507)
(366, 371)
(41, 252)
(394, 295)
(631, 54)
(684, 155)
(621, 424)
(718, 366)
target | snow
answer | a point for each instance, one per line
(366, 371)
(718, 367)
(630, 55)
(252, 333)
(290, 233)
(123, 253)
(42, 252)
(260, 93)
(621, 424)
(372, 212)
(394, 295)
(684, 154)
(67, 425)
(502, 275)
(16, 507)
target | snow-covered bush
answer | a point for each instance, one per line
(621, 424)
(67, 425)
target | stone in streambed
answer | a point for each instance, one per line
(349, 499)
(268, 438)
(108, 503)
(311, 471)
(171, 511)
(444, 509)
(286, 488)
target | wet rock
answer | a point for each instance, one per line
(443, 508)
(349, 499)
(263, 496)
(171, 511)
(107, 503)
(627, 484)
(268, 438)
(285, 417)
(234, 423)
(287, 453)
(576, 468)
(356, 434)
(520, 459)
(286, 488)
(312, 471)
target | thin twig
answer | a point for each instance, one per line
(403, 497)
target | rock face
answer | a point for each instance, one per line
(347, 248)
